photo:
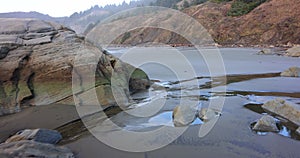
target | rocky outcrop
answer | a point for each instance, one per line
(285, 109)
(34, 143)
(291, 72)
(293, 52)
(184, 115)
(38, 135)
(266, 124)
(28, 148)
(37, 61)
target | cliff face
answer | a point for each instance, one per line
(275, 22)
(37, 63)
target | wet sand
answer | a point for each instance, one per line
(230, 137)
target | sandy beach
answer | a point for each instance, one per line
(230, 137)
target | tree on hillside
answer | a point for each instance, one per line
(186, 4)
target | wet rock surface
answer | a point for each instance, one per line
(38, 61)
(28, 148)
(38, 135)
(266, 123)
(207, 114)
(285, 109)
(184, 115)
(291, 72)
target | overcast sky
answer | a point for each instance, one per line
(55, 8)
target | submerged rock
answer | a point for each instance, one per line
(207, 114)
(285, 109)
(293, 52)
(28, 148)
(265, 52)
(38, 135)
(38, 66)
(291, 72)
(184, 115)
(266, 124)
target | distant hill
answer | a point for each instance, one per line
(35, 15)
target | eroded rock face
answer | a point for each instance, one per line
(28, 148)
(291, 72)
(266, 124)
(38, 60)
(293, 52)
(285, 109)
(38, 135)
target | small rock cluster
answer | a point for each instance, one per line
(34, 143)
(281, 108)
(185, 115)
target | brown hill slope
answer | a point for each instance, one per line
(276, 22)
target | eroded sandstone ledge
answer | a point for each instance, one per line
(37, 61)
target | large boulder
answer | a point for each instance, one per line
(28, 148)
(38, 60)
(285, 109)
(184, 115)
(38, 135)
(266, 124)
(291, 72)
(293, 52)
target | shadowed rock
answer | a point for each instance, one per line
(38, 135)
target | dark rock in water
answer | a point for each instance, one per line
(3, 52)
(28, 148)
(291, 72)
(38, 135)
(285, 109)
(266, 124)
(37, 60)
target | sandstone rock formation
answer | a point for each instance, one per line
(291, 72)
(266, 124)
(37, 61)
(28, 148)
(285, 109)
(207, 114)
(184, 115)
(294, 51)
